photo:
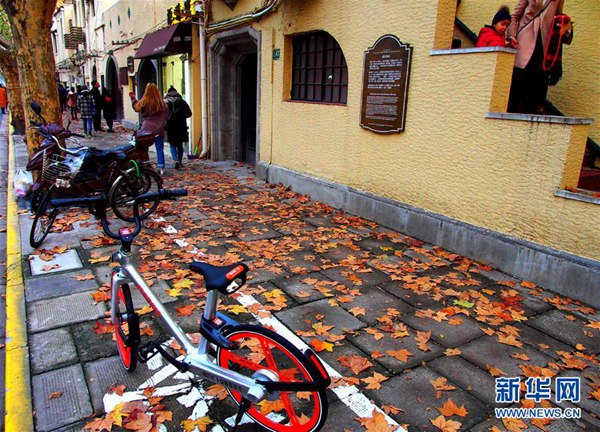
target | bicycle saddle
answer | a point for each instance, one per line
(219, 277)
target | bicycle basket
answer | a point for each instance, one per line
(60, 170)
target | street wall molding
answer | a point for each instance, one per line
(557, 271)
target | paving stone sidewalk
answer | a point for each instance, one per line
(381, 291)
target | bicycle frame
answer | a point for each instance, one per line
(197, 358)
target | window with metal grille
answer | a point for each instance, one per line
(319, 70)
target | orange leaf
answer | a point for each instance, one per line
(58, 394)
(321, 346)
(401, 355)
(185, 310)
(356, 311)
(450, 409)
(98, 425)
(102, 328)
(218, 391)
(390, 409)
(453, 352)
(594, 325)
(375, 423)
(495, 371)
(520, 356)
(509, 340)
(100, 296)
(84, 277)
(514, 424)
(374, 382)
(421, 339)
(117, 389)
(441, 384)
(355, 363)
(446, 425)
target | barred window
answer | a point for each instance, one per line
(319, 70)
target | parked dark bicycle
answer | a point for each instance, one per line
(254, 363)
(122, 173)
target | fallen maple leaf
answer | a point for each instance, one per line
(401, 355)
(83, 277)
(49, 267)
(99, 259)
(201, 424)
(99, 425)
(390, 409)
(520, 356)
(450, 408)
(595, 394)
(185, 310)
(374, 382)
(514, 424)
(446, 425)
(319, 345)
(55, 395)
(118, 389)
(453, 352)
(100, 296)
(355, 363)
(494, 371)
(375, 423)
(441, 384)
(421, 339)
(356, 311)
(509, 340)
(217, 391)
(594, 325)
(322, 329)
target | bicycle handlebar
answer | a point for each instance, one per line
(66, 150)
(98, 205)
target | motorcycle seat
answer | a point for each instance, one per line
(124, 148)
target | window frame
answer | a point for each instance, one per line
(319, 72)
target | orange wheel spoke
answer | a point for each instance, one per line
(268, 356)
(242, 361)
(289, 408)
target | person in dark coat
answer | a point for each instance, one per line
(87, 110)
(62, 97)
(98, 104)
(176, 127)
(108, 108)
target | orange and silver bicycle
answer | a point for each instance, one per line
(260, 369)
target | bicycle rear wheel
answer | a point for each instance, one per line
(44, 218)
(262, 351)
(131, 185)
(127, 328)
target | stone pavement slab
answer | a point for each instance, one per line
(397, 289)
(541, 341)
(488, 351)
(443, 332)
(555, 426)
(570, 331)
(298, 290)
(376, 302)
(356, 278)
(105, 373)
(302, 317)
(467, 376)
(61, 311)
(68, 260)
(58, 285)
(369, 344)
(60, 397)
(414, 392)
(51, 350)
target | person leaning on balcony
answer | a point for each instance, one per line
(154, 114)
(531, 22)
(495, 35)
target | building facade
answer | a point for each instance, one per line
(289, 89)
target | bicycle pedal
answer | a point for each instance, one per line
(147, 351)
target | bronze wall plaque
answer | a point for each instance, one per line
(385, 85)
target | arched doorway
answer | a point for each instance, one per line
(146, 74)
(113, 85)
(234, 95)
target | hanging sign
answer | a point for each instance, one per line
(385, 85)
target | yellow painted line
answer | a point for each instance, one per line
(18, 410)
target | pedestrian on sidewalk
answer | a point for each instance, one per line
(62, 97)
(98, 105)
(72, 103)
(176, 128)
(86, 110)
(108, 108)
(530, 26)
(154, 114)
(3, 98)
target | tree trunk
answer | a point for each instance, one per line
(31, 21)
(8, 64)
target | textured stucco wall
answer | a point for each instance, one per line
(578, 93)
(451, 160)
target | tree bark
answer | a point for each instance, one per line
(8, 64)
(31, 21)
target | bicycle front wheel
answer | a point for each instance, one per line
(127, 328)
(262, 351)
(44, 218)
(129, 186)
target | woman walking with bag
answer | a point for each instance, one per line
(154, 114)
(531, 23)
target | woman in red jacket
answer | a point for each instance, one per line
(495, 35)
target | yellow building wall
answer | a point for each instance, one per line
(451, 160)
(578, 92)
